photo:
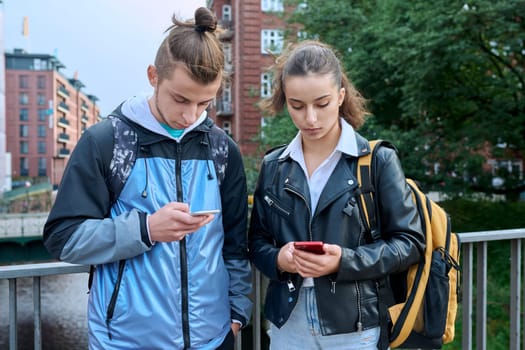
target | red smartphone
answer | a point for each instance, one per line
(315, 247)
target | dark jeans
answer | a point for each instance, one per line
(228, 343)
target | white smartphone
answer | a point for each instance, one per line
(205, 212)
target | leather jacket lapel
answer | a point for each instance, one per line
(341, 181)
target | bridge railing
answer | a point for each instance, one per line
(473, 243)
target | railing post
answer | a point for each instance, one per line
(13, 338)
(466, 297)
(37, 315)
(481, 296)
(256, 331)
(515, 287)
(238, 341)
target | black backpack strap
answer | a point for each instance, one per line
(125, 151)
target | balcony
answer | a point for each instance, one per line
(84, 119)
(84, 107)
(63, 137)
(63, 153)
(63, 122)
(473, 243)
(62, 91)
(224, 108)
(228, 33)
(63, 107)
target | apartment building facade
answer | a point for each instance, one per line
(46, 114)
(254, 28)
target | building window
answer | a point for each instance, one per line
(263, 124)
(228, 60)
(24, 98)
(41, 130)
(227, 127)
(41, 82)
(42, 166)
(24, 114)
(41, 99)
(226, 13)
(24, 130)
(42, 114)
(272, 5)
(24, 147)
(510, 166)
(24, 166)
(39, 64)
(24, 81)
(266, 85)
(272, 40)
(41, 147)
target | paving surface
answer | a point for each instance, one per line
(64, 305)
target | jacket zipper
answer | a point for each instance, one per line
(309, 211)
(359, 311)
(291, 287)
(272, 203)
(183, 259)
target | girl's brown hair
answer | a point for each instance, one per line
(195, 44)
(314, 57)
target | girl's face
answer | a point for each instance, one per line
(313, 103)
(179, 101)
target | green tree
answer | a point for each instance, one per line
(445, 80)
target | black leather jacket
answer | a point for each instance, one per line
(347, 300)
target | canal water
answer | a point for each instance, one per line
(63, 314)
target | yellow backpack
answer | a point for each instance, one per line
(419, 305)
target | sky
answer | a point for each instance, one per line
(107, 44)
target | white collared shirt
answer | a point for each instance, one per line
(347, 144)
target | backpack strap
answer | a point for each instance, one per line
(365, 178)
(368, 212)
(125, 151)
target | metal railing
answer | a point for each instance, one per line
(471, 242)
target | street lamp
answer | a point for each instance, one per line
(26, 204)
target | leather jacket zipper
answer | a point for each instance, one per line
(359, 311)
(307, 207)
(272, 203)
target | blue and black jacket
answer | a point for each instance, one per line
(177, 295)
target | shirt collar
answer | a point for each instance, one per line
(347, 143)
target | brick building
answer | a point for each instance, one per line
(252, 28)
(45, 115)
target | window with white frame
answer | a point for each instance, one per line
(266, 85)
(272, 5)
(227, 92)
(42, 166)
(23, 98)
(510, 165)
(226, 12)
(227, 127)
(228, 60)
(24, 166)
(272, 40)
(263, 124)
(24, 147)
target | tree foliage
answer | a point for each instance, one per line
(444, 79)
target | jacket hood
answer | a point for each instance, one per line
(137, 110)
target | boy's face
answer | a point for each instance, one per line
(179, 101)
